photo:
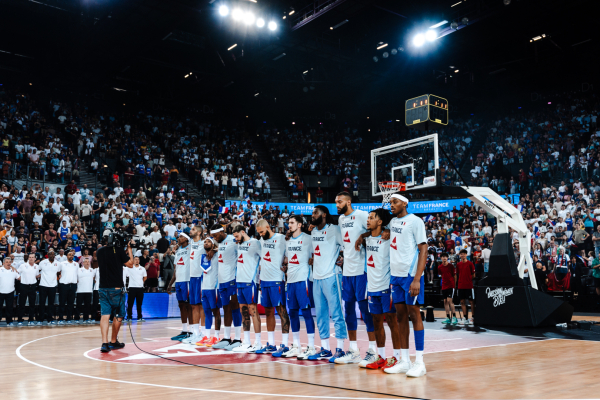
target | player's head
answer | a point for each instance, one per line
(218, 233)
(321, 215)
(183, 240)
(296, 224)
(444, 257)
(398, 204)
(195, 232)
(264, 229)
(343, 202)
(379, 217)
(210, 244)
(239, 233)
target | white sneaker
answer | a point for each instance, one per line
(294, 351)
(417, 370)
(369, 358)
(192, 339)
(310, 351)
(400, 367)
(243, 348)
(256, 346)
(466, 321)
(351, 357)
(471, 321)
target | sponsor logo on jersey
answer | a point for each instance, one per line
(317, 251)
(393, 245)
(370, 262)
(220, 257)
(294, 259)
(267, 256)
(192, 256)
(347, 237)
(241, 258)
(180, 262)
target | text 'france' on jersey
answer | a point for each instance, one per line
(327, 243)
(227, 259)
(272, 253)
(406, 234)
(298, 251)
(196, 251)
(248, 261)
(378, 264)
(351, 227)
(182, 264)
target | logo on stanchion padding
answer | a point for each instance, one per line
(499, 295)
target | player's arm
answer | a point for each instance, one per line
(415, 286)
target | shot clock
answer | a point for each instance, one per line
(426, 112)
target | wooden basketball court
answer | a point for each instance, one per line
(64, 362)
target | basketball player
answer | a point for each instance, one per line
(327, 241)
(196, 248)
(299, 288)
(466, 272)
(181, 278)
(227, 287)
(448, 273)
(353, 223)
(247, 279)
(379, 292)
(210, 293)
(408, 255)
(272, 285)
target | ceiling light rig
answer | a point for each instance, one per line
(248, 17)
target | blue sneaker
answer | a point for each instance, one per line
(268, 349)
(69, 322)
(282, 349)
(61, 322)
(52, 323)
(39, 323)
(10, 325)
(338, 353)
(322, 355)
(20, 324)
(182, 335)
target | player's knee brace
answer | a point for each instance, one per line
(295, 320)
(308, 320)
(236, 315)
(351, 321)
(363, 306)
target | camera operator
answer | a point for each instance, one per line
(111, 259)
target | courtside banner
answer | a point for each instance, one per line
(416, 207)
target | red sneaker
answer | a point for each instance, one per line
(390, 362)
(202, 342)
(211, 342)
(380, 362)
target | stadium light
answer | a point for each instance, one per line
(382, 46)
(338, 25)
(438, 24)
(455, 71)
(260, 22)
(456, 4)
(272, 25)
(430, 35)
(223, 10)
(232, 47)
(419, 40)
(237, 14)
(249, 18)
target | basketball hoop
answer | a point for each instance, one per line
(388, 188)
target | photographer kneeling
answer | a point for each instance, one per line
(111, 259)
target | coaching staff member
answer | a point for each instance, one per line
(111, 259)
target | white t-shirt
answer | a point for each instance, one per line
(136, 276)
(406, 234)
(85, 280)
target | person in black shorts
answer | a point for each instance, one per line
(466, 272)
(448, 273)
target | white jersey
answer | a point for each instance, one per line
(378, 264)
(195, 258)
(248, 261)
(48, 271)
(271, 254)
(182, 264)
(210, 271)
(298, 251)
(406, 234)
(351, 227)
(227, 259)
(85, 280)
(326, 248)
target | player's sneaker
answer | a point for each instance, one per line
(390, 362)
(338, 353)
(446, 321)
(464, 321)
(255, 347)
(212, 341)
(400, 367)
(268, 349)
(369, 358)
(192, 339)
(454, 321)
(310, 351)
(187, 335)
(222, 344)
(293, 351)
(176, 337)
(281, 350)
(322, 355)
(417, 370)
(471, 321)
(234, 345)
(380, 362)
(243, 348)
(202, 342)
(351, 357)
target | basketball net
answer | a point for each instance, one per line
(388, 188)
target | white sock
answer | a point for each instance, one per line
(296, 338)
(196, 329)
(227, 332)
(340, 344)
(285, 339)
(218, 333)
(271, 338)
(246, 337)
(311, 339)
(238, 332)
(325, 344)
(419, 356)
(185, 327)
(373, 345)
(257, 338)
(397, 354)
(353, 345)
(381, 351)
(212, 332)
(405, 356)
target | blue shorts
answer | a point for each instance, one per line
(299, 295)
(226, 290)
(272, 294)
(381, 302)
(401, 291)
(354, 288)
(195, 290)
(112, 300)
(182, 291)
(247, 293)
(210, 299)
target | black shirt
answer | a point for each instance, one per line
(110, 262)
(36, 234)
(162, 245)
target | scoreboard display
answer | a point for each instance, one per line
(426, 111)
